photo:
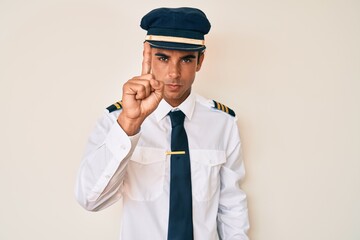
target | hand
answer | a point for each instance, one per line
(141, 96)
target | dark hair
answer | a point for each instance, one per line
(199, 55)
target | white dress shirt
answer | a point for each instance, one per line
(136, 170)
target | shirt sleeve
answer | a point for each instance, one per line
(101, 174)
(233, 222)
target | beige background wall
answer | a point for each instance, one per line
(290, 69)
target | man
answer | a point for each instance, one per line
(172, 157)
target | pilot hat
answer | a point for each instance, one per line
(176, 28)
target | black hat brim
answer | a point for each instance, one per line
(176, 46)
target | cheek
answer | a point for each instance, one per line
(189, 74)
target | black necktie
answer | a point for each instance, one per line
(180, 212)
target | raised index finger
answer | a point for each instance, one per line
(146, 64)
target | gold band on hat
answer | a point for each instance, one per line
(174, 39)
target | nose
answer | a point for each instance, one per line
(174, 70)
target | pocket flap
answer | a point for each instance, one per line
(208, 157)
(144, 155)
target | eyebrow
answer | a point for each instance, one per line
(189, 56)
(184, 57)
(161, 55)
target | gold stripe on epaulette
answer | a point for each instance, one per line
(114, 107)
(218, 105)
(222, 107)
(226, 109)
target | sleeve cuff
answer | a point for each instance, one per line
(119, 143)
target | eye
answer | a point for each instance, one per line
(163, 59)
(187, 60)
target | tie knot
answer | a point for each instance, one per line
(177, 118)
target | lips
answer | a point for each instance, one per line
(173, 87)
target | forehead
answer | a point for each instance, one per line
(175, 53)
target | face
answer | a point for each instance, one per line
(177, 69)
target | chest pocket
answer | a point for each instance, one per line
(145, 174)
(205, 168)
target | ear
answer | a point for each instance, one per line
(201, 59)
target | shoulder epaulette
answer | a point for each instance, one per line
(115, 106)
(223, 108)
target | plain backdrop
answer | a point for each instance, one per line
(289, 69)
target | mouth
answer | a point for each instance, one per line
(171, 85)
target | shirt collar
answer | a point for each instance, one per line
(187, 107)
